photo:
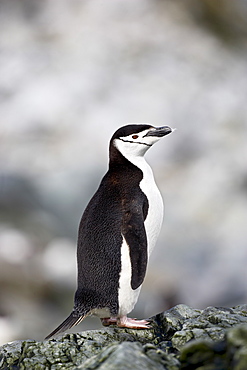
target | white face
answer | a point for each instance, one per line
(136, 144)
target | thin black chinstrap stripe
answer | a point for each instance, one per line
(134, 142)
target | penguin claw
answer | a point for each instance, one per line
(127, 322)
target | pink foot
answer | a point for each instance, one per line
(126, 322)
(106, 321)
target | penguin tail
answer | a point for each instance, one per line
(72, 320)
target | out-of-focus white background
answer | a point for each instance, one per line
(71, 73)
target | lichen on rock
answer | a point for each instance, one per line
(180, 338)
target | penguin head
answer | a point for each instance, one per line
(136, 139)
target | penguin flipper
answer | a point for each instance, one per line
(135, 235)
(72, 320)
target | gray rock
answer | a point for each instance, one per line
(123, 356)
(230, 353)
(182, 323)
(182, 337)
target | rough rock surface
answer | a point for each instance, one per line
(180, 338)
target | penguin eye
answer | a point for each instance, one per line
(134, 136)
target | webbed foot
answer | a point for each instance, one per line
(127, 322)
(107, 321)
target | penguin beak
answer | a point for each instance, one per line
(159, 131)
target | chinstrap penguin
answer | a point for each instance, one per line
(118, 231)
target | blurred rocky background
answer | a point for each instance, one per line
(71, 73)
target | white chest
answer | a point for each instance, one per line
(128, 296)
(154, 218)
